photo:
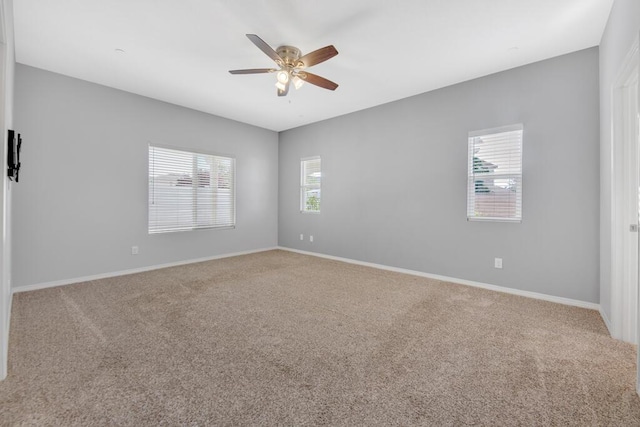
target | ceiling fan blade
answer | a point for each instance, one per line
(285, 91)
(317, 80)
(318, 56)
(263, 46)
(253, 71)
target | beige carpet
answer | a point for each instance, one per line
(278, 338)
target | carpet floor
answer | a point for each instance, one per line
(278, 338)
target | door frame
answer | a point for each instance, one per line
(624, 295)
(5, 290)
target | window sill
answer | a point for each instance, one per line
(490, 219)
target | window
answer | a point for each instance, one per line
(494, 186)
(311, 175)
(189, 190)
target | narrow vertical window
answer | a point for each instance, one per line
(189, 190)
(310, 181)
(494, 185)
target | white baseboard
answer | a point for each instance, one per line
(528, 294)
(606, 321)
(535, 295)
(63, 282)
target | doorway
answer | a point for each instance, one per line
(625, 271)
(625, 203)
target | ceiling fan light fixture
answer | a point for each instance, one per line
(283, 77)
(281, 85)
(297, 82)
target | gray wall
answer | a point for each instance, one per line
(394, 183)
(622, 29)
(82, 198)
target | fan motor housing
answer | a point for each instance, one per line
(289, 55)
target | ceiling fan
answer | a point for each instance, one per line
(292, 65)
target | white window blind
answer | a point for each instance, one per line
(494, 186)
(190, 190)
(310, 181)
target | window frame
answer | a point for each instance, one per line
(187, 150)
(471, 174)
(305, 187)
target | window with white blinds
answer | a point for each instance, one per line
(311, 177)
(189, 190)
(494, 186)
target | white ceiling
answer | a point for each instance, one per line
(180, 51)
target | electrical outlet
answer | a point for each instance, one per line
(498, 263)
(134, 250)
(311, 239)
(301, 236)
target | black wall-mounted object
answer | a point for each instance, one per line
(14, 141)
